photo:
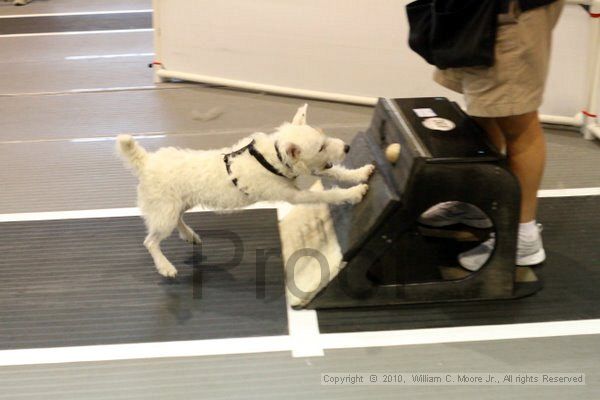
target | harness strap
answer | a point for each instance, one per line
(258, 156)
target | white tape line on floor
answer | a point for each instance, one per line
(147, 10)
(266, 344)
(190, 348)
(303, 326)
(576, 192)
(13, 35)
(282, 208)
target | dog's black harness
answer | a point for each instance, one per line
(259, 157)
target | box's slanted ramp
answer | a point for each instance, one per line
(372, 253)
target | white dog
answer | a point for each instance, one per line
(262, 167)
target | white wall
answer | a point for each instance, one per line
(356, 47)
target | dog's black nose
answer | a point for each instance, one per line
(346, 148)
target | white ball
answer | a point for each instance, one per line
(392, 152)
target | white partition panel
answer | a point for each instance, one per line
(566, 91)
(351, 50)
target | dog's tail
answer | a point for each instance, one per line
(131, 152)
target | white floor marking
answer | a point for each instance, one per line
(281, 207)
(95, 90)
(161, 134)
(148, 10)
(591, 191)
(101, 56)
(12, 35)
(145, 135)
(266, 344)
(113, 138)
(74, 214)
(133, 351)
(303, 326)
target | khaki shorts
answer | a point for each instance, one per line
(514, 85)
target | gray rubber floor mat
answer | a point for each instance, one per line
(76, 23)
(571, 275)
(73, 47)
(571, 160)
(64, 76)
(268, 375)
(172, 110)
(91, 281)
(64, 6)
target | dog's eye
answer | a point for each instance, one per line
(322, 147)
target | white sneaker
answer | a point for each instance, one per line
(455, 212)
(474, 259)
(529, 252)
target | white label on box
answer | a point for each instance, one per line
(439, 124)
(424, 112)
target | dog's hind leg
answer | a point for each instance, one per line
(152, 243)
(186, 233)
(160, 218)
(159, 229)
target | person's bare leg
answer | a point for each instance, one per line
(526, 151)
(493, 131)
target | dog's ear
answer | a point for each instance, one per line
(300, 117)
(292, 150)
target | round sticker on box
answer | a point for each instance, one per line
(439, 124)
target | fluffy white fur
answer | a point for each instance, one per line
(173, 180)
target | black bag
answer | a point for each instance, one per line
(454, 33)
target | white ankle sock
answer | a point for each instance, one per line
(528, 230)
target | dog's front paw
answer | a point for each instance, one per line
(359, 175)
(365, 172)
(356, 193)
